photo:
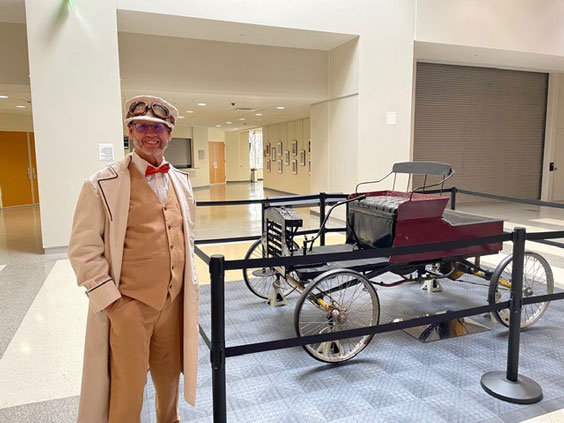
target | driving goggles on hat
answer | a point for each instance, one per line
(140, 108)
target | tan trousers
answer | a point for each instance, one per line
(143, 338)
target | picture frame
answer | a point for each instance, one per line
(302, 157)
(267, 149)
(268, 165)
(294, 167)
(294, 148)
(286, 157)
(280, 166)
(309, 146)
(273, 154)
(279, 148)
(309, 167)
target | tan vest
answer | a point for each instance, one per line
(154, 249)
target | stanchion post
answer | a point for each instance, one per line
(509, 385)
(453, 198)
(217, 277)
(322, 198)
(262, 209)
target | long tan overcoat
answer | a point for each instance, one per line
(95, 252)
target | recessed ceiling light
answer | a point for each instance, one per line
(241, 118)
(20, 107)
(180, 117)
(189, 111)
(258, 114)
(218, 126)
(201, 104)
(229, 123)
(235, 128)
(3, 96)
(280, 107)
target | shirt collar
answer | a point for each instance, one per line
(141, 164)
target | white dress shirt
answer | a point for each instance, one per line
(158, 182)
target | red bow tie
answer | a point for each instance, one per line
(151, 170)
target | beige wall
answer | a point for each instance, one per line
(200, 66)
(237, 166)
(286, 132)
(16, 122)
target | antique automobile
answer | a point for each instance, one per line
(340, 295)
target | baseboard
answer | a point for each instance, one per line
(56, 250)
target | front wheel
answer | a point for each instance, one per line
(337, 300)
(261, 280)
(537, 280)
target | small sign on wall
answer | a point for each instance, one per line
(105, 152)
(201, 154)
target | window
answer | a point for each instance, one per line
(179, 153)
(255, 149)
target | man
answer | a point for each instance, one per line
(131, 247)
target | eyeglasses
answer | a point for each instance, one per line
(143, 127)
(140, 108)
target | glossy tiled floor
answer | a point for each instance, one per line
(42, 312)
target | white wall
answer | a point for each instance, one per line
(517, 25)
(232, 161)
(552, 188)
(215, 134)
(201, 175)
(74, 70)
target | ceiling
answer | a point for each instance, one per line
(233, 32)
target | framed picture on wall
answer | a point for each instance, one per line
(294, 148)
(268, 166)
(294, 167)
(309, 146)
(280, 166)
(267, 150)
(273, 154)
(309, 167)
(279, 147)
(286, 157)
(302, 157)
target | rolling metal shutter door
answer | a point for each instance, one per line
(487, 123)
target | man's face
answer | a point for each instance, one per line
(147, 141)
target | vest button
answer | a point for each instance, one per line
(171, 247)
(164, 208)
(169, 227)
(170, 286)
(171, 267)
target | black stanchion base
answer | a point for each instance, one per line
(524, 391)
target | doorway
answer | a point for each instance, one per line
(217, 162)
(18, 174)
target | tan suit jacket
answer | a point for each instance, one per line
(95, 252)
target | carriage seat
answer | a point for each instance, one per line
(385, 203)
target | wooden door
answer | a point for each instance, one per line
(217, 162)
(15, 169)
(558, 181)
(33, 172)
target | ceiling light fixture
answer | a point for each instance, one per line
(280, 107)
(229, 123)
(189, 111)
(201, 104)
(241, 118)
(258, 114)
(3, 96)
(218, 126)
(236, 128)
(180, 117)
(20, 107)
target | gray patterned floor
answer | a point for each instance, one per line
(395, 379)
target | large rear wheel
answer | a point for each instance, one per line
(261, 280)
